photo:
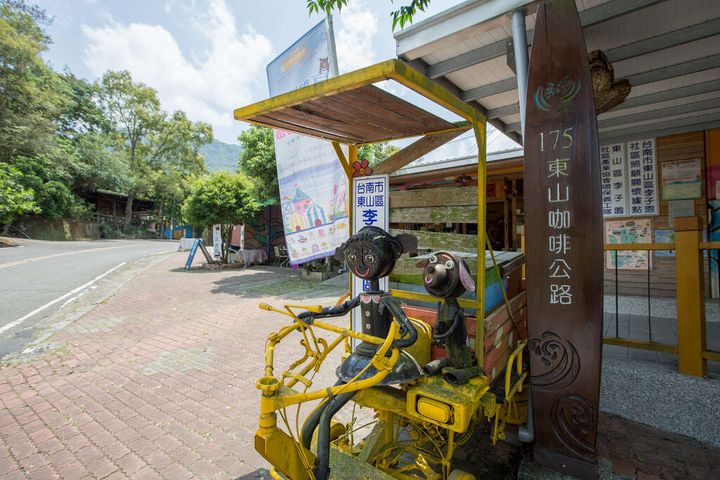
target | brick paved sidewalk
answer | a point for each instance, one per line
(159, 382)
(156, 382)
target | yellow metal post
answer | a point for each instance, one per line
(690, 298)
(352, 158)
(479, 128)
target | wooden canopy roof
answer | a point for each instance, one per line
(349, 109)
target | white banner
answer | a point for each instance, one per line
(313, 185)
(217, 241)
(370, 208)
(642, 169)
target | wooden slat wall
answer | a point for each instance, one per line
(684, 146)
(438, 206)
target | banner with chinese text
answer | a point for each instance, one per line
(313, 184)
(370, 208)
(629, 179)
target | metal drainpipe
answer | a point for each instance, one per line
(526, 433)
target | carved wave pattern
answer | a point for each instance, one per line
(574, 423)
(559, 362)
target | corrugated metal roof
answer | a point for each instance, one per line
(669, 51)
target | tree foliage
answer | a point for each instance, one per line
(221, 198)
(257, 161)
(376, 152)
(15, 198)
(62, 137)
(402, 16)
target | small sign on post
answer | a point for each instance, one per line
(370, 208)
(217, 241)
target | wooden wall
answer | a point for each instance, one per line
(684, 146)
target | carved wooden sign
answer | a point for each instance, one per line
(564, 243)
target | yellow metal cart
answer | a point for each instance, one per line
(425, 420)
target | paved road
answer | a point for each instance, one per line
(38, 277)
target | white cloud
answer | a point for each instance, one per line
(354, 39)
(227, 74)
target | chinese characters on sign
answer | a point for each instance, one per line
(643, 177)
(612, 176)
(559, 241)
(370, 208)
(629, 183)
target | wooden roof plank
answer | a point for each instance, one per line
(416, 150)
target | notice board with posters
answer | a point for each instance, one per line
(635, 230)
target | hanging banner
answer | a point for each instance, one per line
(643, 177)
(565, 244)
(614, 180)
(313, 185)
(370, 208)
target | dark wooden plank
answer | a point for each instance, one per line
(293, 127)
(449, 214)
(372, 111)
(353, 115)
(316, 122)
(434, 197)
(381, 104)
(455, 242)
(415, 150)
(565, 314)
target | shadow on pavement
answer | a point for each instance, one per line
(260, 473)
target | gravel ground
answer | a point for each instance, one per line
(656, 395)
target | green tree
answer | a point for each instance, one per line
(133, 110)
(15, 198)
(403, 15)
(31, 94)
(376, 152)
(257, 161)
(221, 198)
(175, 162)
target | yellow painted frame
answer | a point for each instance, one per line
(402, 73)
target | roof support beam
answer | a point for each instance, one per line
(660, 113)
(416, 150)
(663, 73)
(632, 102)
(690, 124)
(591, 16)
(665, 95)
(684, 68)
(422, 67)
(666, 40)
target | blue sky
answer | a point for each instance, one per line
(207, 57)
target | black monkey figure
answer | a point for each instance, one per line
(447, 276)
(370, 254)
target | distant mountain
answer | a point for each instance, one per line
(221, 156)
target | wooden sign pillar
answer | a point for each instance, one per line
(564, 243)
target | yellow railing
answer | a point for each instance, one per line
(691, 344)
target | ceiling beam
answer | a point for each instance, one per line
(641, 78)
(666, 95)
(660, 123)
(422, 67)
(660, 113)
(665, 40)
(592, 16)
(639, 101)
(690, 124)
(676, 70)
(490, 89)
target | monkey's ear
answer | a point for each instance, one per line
(339, 254)
(465, 277)
(409, 243)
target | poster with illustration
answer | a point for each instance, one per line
(313, 184)
(629, 231)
